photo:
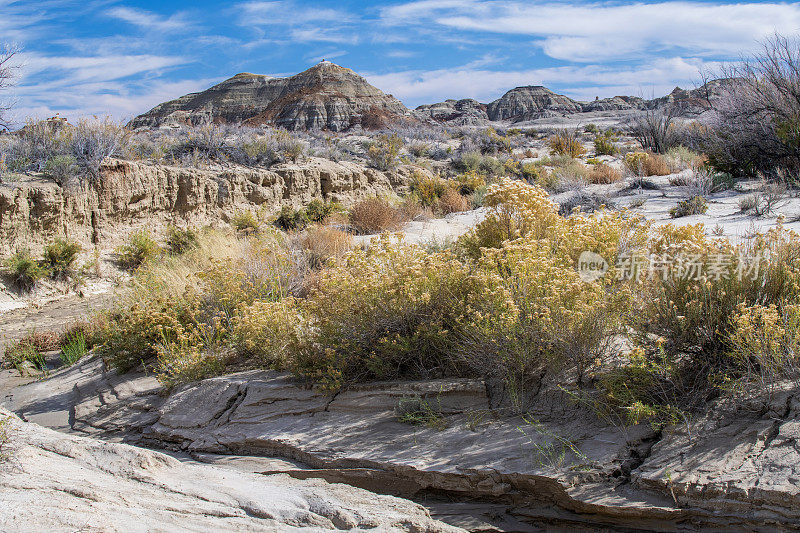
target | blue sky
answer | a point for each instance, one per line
(103, 57)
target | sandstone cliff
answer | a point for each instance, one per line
(34, 210)
(325, 96)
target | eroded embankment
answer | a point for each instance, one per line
(34, 210)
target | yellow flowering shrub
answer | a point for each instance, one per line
(701, 313)
(516, 209)
(392, 310)
(265, 333)
(765, 343)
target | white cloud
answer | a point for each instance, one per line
(415, 87)
(115, 99)
(69, 69)
(317, 56)
(605, 30)
(287, 13)
(150, 21)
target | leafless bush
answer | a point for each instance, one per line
(654, 129)
(8, 77)
(755, 127)
(764, 201)
(93, 141)
(65, 152)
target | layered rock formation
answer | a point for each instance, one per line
(467, 112)
(696, 101)
(559, 466)
(325, 96)
(527, 103)
(616, 103)
(132, 192)
(56, 482)
(536, 102)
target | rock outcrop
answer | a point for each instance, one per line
(616, 103)
(50, 481)
(132, 192)
(560, 465)
(326, 96)
(537, 102)
(694, 102)
(465, 112)
(528, 103)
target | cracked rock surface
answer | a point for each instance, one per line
(558, 468)
(56, 482)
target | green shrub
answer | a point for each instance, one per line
(246, 222)
(696, 205)
(389, 311)
(180, 241)
(566, 142)
(428, 189)
(318, 210)
(25, 271)
(290, 219)
(60, 257)
(139, 248)
(383, 151)
(61, 168)
(604, 144)
(469, 182)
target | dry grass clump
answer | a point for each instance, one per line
(323, 243)
(604, 174)
(30, 349)
(566, 142)
(376, 215)
(646, 164)
(452, 202)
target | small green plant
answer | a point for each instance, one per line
(382, 153)
(604, 144)
(552, 454)
(566, 142)
(291, 219)
(246, 222)
(73, 349)
(696, 205)
(22, 354)
(25, 271)
(139, 248)
(180, 241)
(60, 257)
(317, 210)
(418, 411)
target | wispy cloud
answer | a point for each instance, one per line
(150, 21)
(287, 13)
(415, 87)
(586, 32)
